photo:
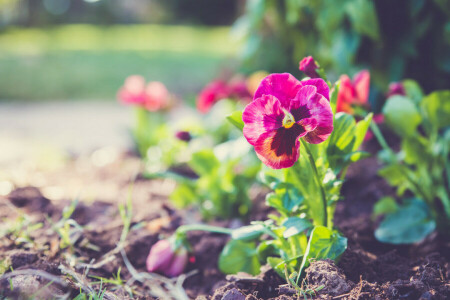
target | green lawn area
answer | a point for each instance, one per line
(91, 62)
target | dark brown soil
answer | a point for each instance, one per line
(367, 270)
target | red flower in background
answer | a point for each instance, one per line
(235, 88)
(153, 96)
(210, 94)
(353, 92)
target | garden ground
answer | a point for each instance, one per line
(51, 247)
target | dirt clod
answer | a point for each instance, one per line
(325, 273)
(233, 294)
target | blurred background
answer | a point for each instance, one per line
(62, 61)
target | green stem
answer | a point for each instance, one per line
(319, 183)
(380, 138)
(202, 227)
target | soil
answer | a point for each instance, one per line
(33, 263)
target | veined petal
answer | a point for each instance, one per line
(320, 84)
(260, 116)
(308, 124)
(320, 110)
(299, 105)
(280, 148)
(283, 86)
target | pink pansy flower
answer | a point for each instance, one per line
(284, 110)
(309, 66)
(210, 94)
(353, 92)
(133, 91)
(396, 88)
(157, 96)
(164, 259)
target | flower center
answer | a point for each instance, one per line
(288, 120)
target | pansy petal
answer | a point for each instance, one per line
(308, 124)
(283, 86)
(320, 110)
(299, 105)
(280, 148)
(261, 115)
(320, 84)
(361, 83)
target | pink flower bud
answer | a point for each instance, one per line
(164, 259)
(396, 88)
(183, 136)
(309, 66)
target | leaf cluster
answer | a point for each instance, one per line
(421, 167)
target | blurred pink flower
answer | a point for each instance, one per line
(213, 92)
(157, 96)
(133, 90)
(164, 259)
(353, 92)
(153, 96)
(309, 66)
(396, 88)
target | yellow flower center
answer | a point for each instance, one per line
(288, 120)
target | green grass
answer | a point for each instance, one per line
(91, 62)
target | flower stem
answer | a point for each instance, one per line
(319, 183)
(380, 138)
(202, 227)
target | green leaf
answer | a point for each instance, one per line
(341, 140)
(411, 223)
(364, 18)
(285, 200)
(394, 174)
(238, 256)
(183, 195)
(385, 205)
(277, 264)
(415, 150)
(323, 243)
(413, 90)
(249, 232)
(295, 225)
(436, 107)
(204, 162)
(266, 249)
(361, 130)
(402, 115)
(334, 95)
(236, 119)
